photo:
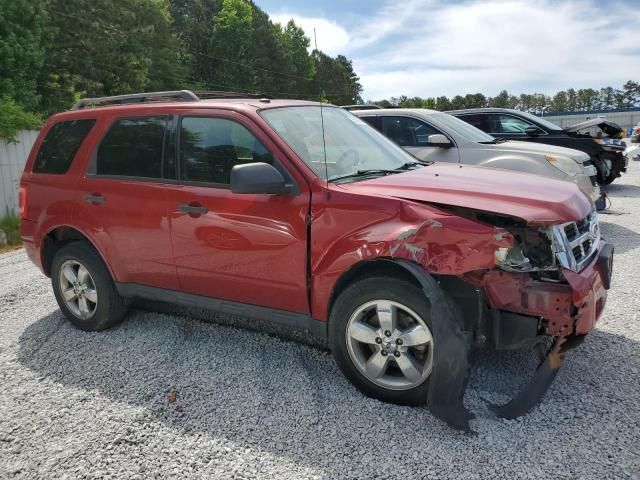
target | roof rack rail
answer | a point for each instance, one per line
(364, 106)
(203, 94)
(185, 95)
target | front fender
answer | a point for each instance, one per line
(441, 243)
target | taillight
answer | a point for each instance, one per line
(22, 201)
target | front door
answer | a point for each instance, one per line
(248, 248)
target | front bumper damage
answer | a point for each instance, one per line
(566, 311)
(518, 311)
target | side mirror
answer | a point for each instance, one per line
(438, 140)
(257, 177)
(532, 131)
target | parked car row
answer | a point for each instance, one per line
(302, 214)
(607, 154)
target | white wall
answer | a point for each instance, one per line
(13, 156)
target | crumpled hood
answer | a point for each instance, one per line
(540, 201)
(542, 149)
(607, 126)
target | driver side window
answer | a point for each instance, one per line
(407, 132)
(210, 147)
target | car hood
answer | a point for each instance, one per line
(540, 201)
(608, 127)
(541, 149)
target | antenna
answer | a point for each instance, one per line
(324, 144)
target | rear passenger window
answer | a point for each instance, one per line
(60, 146)
(133, 148)
(211, 147)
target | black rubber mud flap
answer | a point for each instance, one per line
(450, 374)
(535, 389)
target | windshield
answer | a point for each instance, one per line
(540, 121)
(462, 128)
(351, 144)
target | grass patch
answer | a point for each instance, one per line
(10, 224)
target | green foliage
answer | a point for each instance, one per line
(107, 47)
(13, 118)
(10, 224)
(21, 49)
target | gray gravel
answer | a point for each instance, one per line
(251, 405)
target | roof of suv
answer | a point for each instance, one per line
(237, 104)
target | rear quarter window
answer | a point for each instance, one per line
(60, 146)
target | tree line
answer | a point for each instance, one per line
(570, 100)
(53, 52)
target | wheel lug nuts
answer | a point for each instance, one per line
(384, 353)
(396, 353)
(378, 340)
(387, 333)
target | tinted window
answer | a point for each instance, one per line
(211, 147)
(133, 147)
(373, 121)
(60, 146)
(407, 132)
(501, 123)
(478, 120)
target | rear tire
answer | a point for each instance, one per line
(392, 368)
(84, 289)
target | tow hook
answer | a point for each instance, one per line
(534, 390)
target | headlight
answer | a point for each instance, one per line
(532, 251)
(565, 164)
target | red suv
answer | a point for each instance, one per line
(303, 215)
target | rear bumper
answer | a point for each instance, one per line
(563, 309)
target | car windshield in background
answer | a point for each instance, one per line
(352, 147)
(462, 128)
(540, 121)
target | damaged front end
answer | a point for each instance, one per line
(548, 283)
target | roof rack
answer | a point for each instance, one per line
(204, 94)
(360, 107)
(184, 95)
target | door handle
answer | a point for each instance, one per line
(94, 198)
(194, 209)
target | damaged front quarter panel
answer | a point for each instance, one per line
(451, 245)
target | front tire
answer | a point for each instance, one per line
(84, 289)
(381, 337)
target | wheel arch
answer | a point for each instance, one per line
(368, 268)
(60, 236)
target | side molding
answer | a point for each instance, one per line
(281, 317)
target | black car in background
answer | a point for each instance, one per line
(607, 153)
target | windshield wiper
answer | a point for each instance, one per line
(494, 141)
(382, 171)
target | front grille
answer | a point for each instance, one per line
(575, 243)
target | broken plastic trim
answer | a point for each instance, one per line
(450, 375)
(534, 391)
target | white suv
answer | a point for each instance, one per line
(440, 137)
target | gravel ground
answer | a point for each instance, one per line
(251, 405)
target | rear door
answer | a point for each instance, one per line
(245, 248)
(124, 202)
(413, 135)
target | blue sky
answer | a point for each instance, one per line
(432, 47)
